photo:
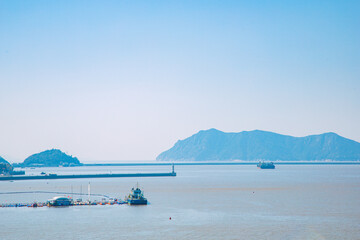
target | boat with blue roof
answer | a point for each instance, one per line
(136, 197)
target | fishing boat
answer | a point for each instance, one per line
(136, 197)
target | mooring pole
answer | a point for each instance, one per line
(89, 191)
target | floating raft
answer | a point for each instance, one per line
(43, 204)
(119, 175)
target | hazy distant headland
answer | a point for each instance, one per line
(49, 158)
(215, 145)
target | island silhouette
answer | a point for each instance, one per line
(215, 145)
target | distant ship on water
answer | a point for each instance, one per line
(266, 165)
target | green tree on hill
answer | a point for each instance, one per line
(51, 158)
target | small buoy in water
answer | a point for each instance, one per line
(169, 218)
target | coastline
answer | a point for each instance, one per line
(222, 163)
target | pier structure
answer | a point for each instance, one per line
(113, 175)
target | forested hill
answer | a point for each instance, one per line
(2, 160)
(51, 158)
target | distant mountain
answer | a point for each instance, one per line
(51, 158)
(213, 144)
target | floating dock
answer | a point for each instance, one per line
(114, 175)
(44, 204)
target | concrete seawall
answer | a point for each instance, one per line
(13, 178)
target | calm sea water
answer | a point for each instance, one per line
(204, 202)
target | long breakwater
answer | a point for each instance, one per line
(116, 175)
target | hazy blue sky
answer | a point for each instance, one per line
(124, 80)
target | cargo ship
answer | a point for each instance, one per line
(136, 197)
(266, 165)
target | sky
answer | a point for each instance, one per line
(111, 81)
